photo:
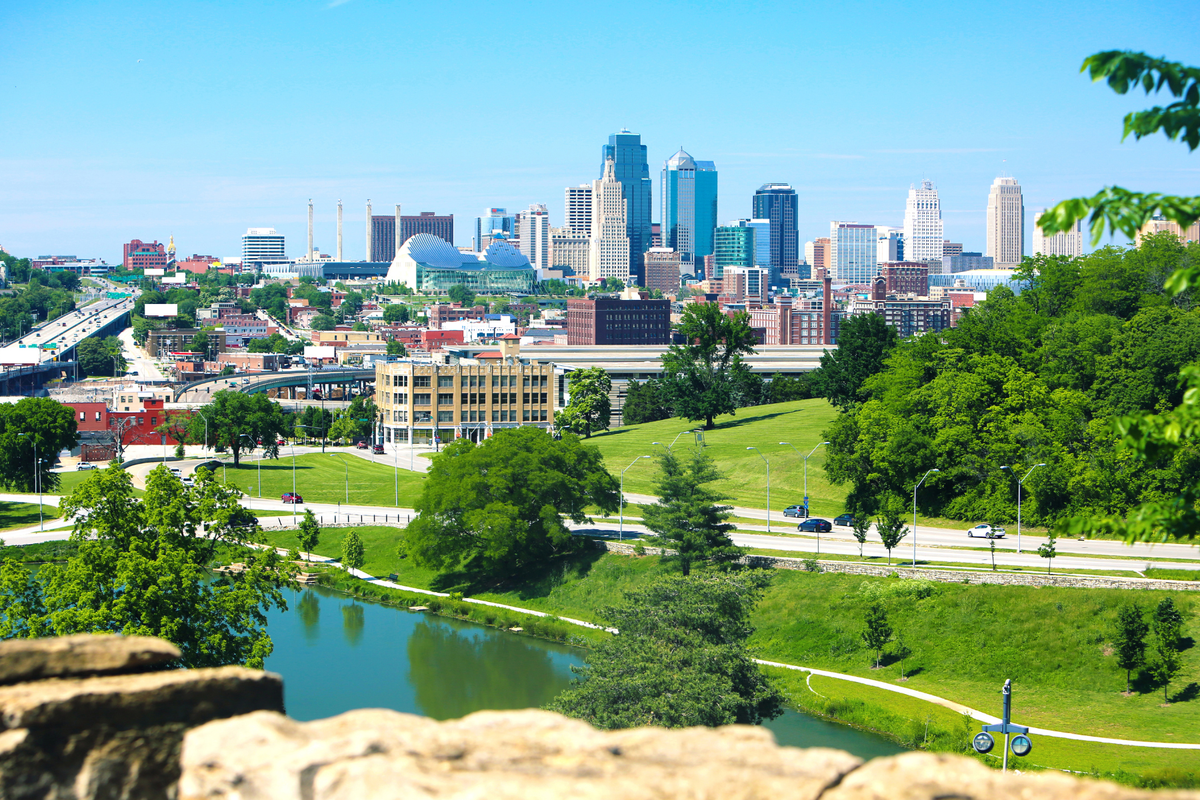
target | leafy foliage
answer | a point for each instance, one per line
(239, 422)
(877, 631)
(1129, 639)
(49, 424)
(590, 407)
(141, 569)
(679, 660)
(706, 372)
(863, 343)
(101, 357)
(646, 402)
(1168, 627)
(687, 517)
(461, 294)
(497, 508)
(309, 533)
(1048, 551)
(890, 527)
(352, 551)
(394, 313)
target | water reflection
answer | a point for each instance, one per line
(309, 611)
(353, 620)
(454, 671)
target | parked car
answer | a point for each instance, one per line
(377, 449)
(292, 497)
(281, 442)
(795, 511)
(176, 471)
(815, 525)
(845, 520)
(361, 445)
(83, 466)
(986, 531)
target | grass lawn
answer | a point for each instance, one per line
(69, 482)
(22, 515)
(322, 478)
(379, 549)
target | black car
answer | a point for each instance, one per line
(795, 511)
(845, 520)
(815, 525)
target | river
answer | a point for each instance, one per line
(336, 654)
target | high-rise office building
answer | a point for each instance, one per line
(609, 248)
(497, 223)
(950, 248)
(679, 209)
(569, 251)
(662, 269)
(632, 171)
(852, 250)
(535, 236)
(889, 244)
(706, 207)
(816, 253)
(262, 245)
(735, 247)
(427, 222)
(1160, 224)
(923, 224)
(1067, 243)
(778, 203)
(1006, 223)
(762, 240)
(578, 209)
(383, 237)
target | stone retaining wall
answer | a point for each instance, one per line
(941, 575)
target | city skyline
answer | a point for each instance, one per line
(187, 169)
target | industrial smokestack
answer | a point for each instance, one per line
(310, 252)
(398, 239)
(368, 258)
(339, 257)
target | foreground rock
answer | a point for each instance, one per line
(536, 755)
(115, 732)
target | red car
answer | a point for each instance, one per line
(361, 445)
(292, 497)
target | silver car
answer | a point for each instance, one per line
(986, 531)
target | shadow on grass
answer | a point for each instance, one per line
(1186, 643)
(739, 421)
(538, 582)
(1189, 692)
(908, 673)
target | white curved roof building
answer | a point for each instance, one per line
(431, 265)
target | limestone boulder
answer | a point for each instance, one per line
(83, 654)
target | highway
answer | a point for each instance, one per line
(66, 332)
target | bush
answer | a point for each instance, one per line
(914, 589)
(812, 565)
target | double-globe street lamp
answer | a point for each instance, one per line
(346, 466)
(621, 535)
(914, 531)
(676, 439)
(1021, 483)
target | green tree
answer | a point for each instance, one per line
(322, 322)
(680, 660)
(877, 631)
(239, 421)
(308, 534)
(1048, 551)
(1129, 640)
(890, 527)
(687, 516)
(352, 551)
(901, 651)
(645, 402)
(396, 313)
(101, 357)
(461, 294)
(200, 344)
(142, 569)
(1168, 629)
(32, 421)
(859, 528)
(705, 372)
(498, 508)
(590, 408)
(396, 348)
(864, 342)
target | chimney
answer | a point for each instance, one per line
(339, 253)
(827, 311)
(310, 249)
(399, 241)
(368, 258)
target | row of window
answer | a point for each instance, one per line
(447, 381)
(472, 399)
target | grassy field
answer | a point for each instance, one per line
(22, 515)
(69, 481)
(321, 478)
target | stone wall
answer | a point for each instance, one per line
(90, 717)
(941, 575)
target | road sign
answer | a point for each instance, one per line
(1021, 745)
(983, 742)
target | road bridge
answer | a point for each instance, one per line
(287, 384)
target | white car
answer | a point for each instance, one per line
(84, 466)
(986, 531)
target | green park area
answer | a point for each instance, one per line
(324, 478)
(23, 515)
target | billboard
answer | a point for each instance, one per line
(311, 352)
(179, 277)
(161, 310)
(155, 273)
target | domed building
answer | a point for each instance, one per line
(429, 264)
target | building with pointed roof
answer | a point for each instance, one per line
(609, 248)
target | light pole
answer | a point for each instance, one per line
(259, 462)
(918, 486)
(676, 439)
(1021, 483)
(806, 458)
(768, 463)
(292, 442)
(346, 467)
(37, 481)
(621, 536)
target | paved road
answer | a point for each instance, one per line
(66, 331)
(138, 360)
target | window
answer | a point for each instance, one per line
(399, 416)
(445, 399)
(472, 380)
(495, 381)
(141, 421)
(462, 416)
(399, 380)
(504, 415)
(83, 416)
(495, 398)
(465, 399)
(154, 420)
(543, 400)
(525, 415)
(474, 416)
(526, 382)
(421, 399)
(399, 397)
(527, 398)
(421, 380)
(445, 416)
(543, 413)
(503, 381)
(97, 416)
(495, 415)
(445, 381)
(543, 383)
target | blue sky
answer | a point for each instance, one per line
(200, 119)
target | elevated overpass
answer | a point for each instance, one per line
(48, 351)
(287, 383)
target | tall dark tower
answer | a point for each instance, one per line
(631, 168)
(778, 203)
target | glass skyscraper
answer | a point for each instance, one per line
(778, 203)
(735, 245)
(706, 208)
(689, 209)
(496, 221)
(632, 170)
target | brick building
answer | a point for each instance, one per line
(805, 320)
(441, 313)
(609, 320)
(133, 414)
(909, 316)
(137, 254)
(906, 277)
(161, 343)
(662, 269)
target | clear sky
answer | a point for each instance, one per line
(201, 119)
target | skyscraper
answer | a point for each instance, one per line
(735, 246)
(852, 250)
(609, 248)
(762, 240)
(578, 209)
(496, 223)
(262, 245)
(1006, 223)
(632, 171)
(778, 203)
(535, 236)
(889, 244)
(1067, 243)
(679, 209)
(816, 253)
(923, 224)
(706, 208)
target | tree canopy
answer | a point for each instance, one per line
(239, 422)
(688, 517)
(49, 424)
(590, 408)
(706, 372)
(680, 658)
(461, 294)
(97, 356)
(501, 506)
(863, 343)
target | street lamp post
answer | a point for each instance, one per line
(768, 463)
(37, 481)
(621, 535)
(676, 439)
(259, 462)
(806, 458)
(918, 486)
(1020, 484)
(346, 467)
(292, 443)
